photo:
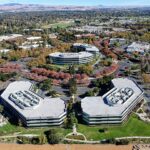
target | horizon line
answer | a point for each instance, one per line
(44, 4)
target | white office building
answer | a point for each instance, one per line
(86, 47)
(24, 102)
(71, 58)
(114, 106)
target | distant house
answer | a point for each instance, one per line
(4, 50)
(53, 36)
(33, 42)
(34, 38)
(27, 47)
(10, 37)
(91, 29)
(36, 30)
(121, 41)
(80, 36)
(138, 47)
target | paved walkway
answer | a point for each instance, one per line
(98, 142)
(17, 134)
(133, 137)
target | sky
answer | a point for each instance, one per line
(81, 2)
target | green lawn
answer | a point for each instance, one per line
(8, 128)
(59, 25)
(134, 127)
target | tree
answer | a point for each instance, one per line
(117, 44)
(96, 91)
(43, 139)
(46, 85)
(72, 86)
(87, 69)
(127, 73)
(52, 93)
(72, 70)
(53, 137)
(95, 83)
(31, 140)
(35, 140)
(70, 106)
(90, 93)
(1, 108)
(71, 120)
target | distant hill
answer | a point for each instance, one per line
(16, 7)
(11, 4)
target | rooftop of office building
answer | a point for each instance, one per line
(88, 47)
(71, 55)
(21, 96)
(115, 101)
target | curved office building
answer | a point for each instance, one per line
(71, 58)
(114, 106)
(32, 109)
(86, 47)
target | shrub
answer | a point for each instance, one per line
(31, 140)
(122, 142)
(53, 137)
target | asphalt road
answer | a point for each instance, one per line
(65, 92)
